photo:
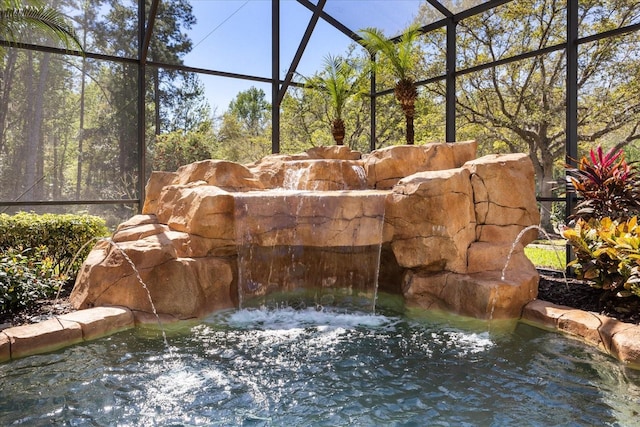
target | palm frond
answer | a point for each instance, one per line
(17, 21)
(400, 54)
(337, 81)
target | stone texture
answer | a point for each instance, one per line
(543, 313)
(182, 287)
(385, 167)
(332, 219)
(479, 295)
(323, 175)
(621, 340)
(503, 190)
(206, 211)
(226, 175)
(336, 152)
(157, 181)
(582, 324)
(43, 337)
(625, 345)
(5, 347)
(101, 321)
(433, 220)
(485, 256)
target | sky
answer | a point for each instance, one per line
(235, 36)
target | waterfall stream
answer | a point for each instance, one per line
(302, 248)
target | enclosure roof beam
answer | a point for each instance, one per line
(332, 21)
(301, 48)
(153, 12)
(476, 10)
(440, 8)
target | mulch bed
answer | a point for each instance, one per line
(552, 288)
(40, 311)
(578, 294)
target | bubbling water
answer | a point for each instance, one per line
(322, 368)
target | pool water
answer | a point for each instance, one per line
(305, 367)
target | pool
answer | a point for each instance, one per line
(301, 367)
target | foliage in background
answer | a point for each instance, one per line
(40, 253)
(607, 186)
(26, 276)
(245, 132)
(607, 254)
(520, 106)
(61, 236)
(178, 148)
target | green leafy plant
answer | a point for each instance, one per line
(178, 148)
(18, 18)
(607, 186)
(607, 253)
(401, 56)
(26, 276)
(338, 82)
(62, 235)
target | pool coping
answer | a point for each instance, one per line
(618, 339)
(63, 331)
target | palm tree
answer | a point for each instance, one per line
(337, 81)
(400, 56)
(17, 18)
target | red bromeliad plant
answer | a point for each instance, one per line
(606, 233)
(607, 185)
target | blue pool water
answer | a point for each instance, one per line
(305, 367)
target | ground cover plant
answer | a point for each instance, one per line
(547, 254)
(40, 255)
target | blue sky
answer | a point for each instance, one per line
(235, 36)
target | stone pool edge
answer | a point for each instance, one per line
(63, 331)
(618, 339)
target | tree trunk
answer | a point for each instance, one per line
(7, 82)
(36, 137)
(409, 111)
(81, 130)
(337, 130)
(410, 130)
(545, 187)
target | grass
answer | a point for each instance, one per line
(546, 254)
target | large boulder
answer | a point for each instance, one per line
(433, 220)
(147, 275)
(327, 218)
(443, 224)
(482, 295)
(503, 190)
(387, 166)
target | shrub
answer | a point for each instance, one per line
(25, 277)
(178, 148)
(607, 186)
(63, 236)
(607, 253)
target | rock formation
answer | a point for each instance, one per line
(445, 220)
